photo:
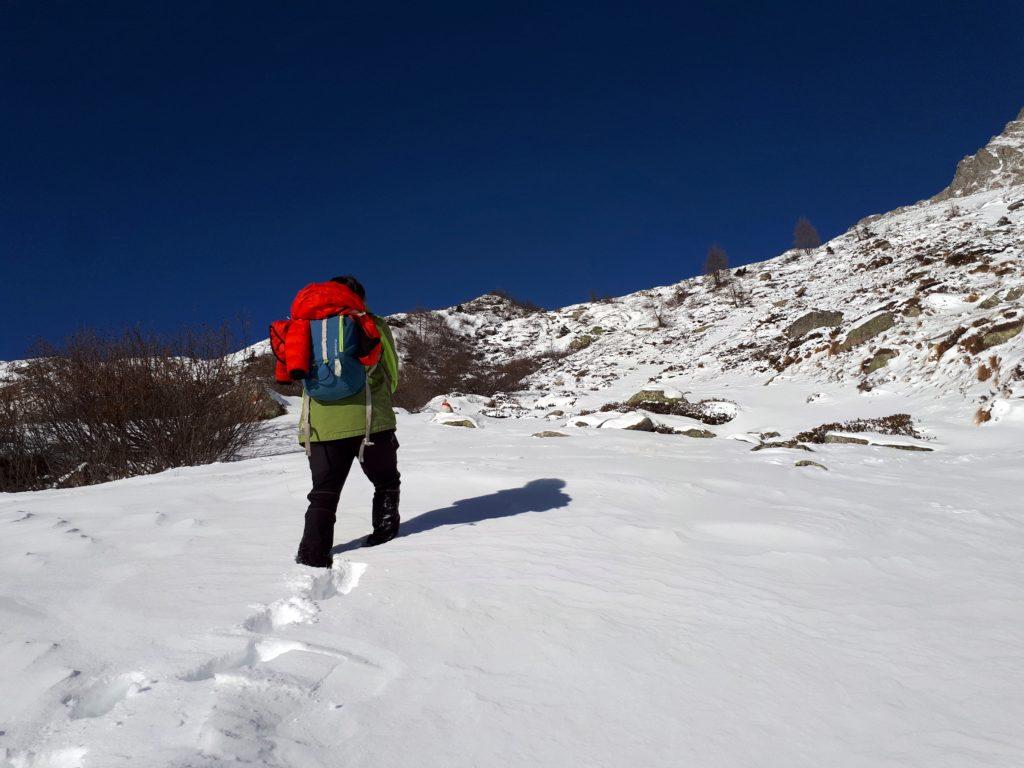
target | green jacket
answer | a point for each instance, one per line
(347, 418)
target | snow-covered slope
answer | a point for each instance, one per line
(607, 599)
(930, 296)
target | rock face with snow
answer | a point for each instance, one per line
(927, 296)
(1000, 163)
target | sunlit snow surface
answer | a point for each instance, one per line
(612, 598)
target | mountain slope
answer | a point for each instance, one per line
(927, 296)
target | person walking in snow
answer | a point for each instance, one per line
(345, 357)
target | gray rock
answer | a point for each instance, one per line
(459, 423)
(1001, 334)
(899, 447)
(846, 439)
(695, 432)
(868, 330)
(644, 425)
(809, 463)
(991, 302)
(999, 164)
(783, 444)
(880, 359)
(549, 433)
(813, 319)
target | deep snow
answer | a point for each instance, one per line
(613, 598)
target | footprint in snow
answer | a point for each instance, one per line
(99, 698)
(301, 607)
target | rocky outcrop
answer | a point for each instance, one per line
(868, 330)
(814, 319)
(1000, 334)
(878, 360)
(999, 164)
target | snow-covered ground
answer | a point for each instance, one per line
(610, 598)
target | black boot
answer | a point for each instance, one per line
(385, 517)
(318, 535)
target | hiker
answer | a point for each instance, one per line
(345, 357)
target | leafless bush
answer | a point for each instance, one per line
(716, 262)
(437, 360)
(100, 408)
(805, 236)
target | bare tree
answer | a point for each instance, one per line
(805, 236)
(716, 262)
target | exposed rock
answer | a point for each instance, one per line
(999, 164)
(809, 463)
(783, 444)
(549, 433)
(634, 422)
(1015, 293)
(1000, 334)
(580, 342)
(991, 302)
(695, 432)
(713, 412)
(846, 439)
(647, 396)
(900, 447)
(811, 320)
(469, 423)
(878, 360)
(868, 330)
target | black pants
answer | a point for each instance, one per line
(330, 462)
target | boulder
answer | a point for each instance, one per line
(868, 330)
(1000, 334)
(880, 359)
(580, 342)
(783, 444)
(809, 463)
(1015, 293)
(813, 319)
(469, 423)
(991, 302)
(845, 439)
(665, 395)
(636, 422)
(695, 432)
(904, 447)
(549, 433)
(454, 420)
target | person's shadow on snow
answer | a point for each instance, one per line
(536, 496)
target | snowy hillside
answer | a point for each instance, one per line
(611, 598)
(930, 297)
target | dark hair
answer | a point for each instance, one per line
(354, 285)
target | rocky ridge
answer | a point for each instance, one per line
(927, 296)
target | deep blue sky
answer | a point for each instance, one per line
(173, 163)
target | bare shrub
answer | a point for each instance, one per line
(437, 360)
(897, 424)
(99, 408)
(805, 236)
(716, 262)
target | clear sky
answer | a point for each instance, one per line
(186, 163)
